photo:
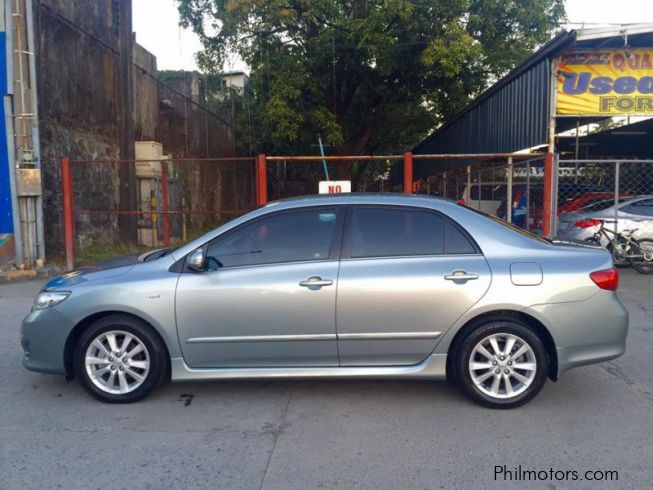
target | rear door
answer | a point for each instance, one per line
(406, 275)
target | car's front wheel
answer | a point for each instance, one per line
(502, 364)
(119, 359)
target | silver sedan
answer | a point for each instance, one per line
(629, 213)
(383, 286)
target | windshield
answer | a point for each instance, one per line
(601, 205)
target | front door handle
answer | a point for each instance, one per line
(315, 282)
(460, 275)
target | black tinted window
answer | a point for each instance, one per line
(288, 237)
(488, 192)
(643, 208)
(455, 242)
(392, 232)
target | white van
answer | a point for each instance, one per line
(485, 196)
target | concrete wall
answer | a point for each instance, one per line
(77, 69)
(188, 130)
(78, 52)
(146, 98)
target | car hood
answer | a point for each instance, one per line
(105, 269)
(87, 273)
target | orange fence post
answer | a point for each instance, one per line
(408, 172)
(547, 202)
(68, 212)
(164, 203)
(261, 180)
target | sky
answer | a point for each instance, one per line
(156, 24)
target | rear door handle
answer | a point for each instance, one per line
(315, 282)
(461, 275)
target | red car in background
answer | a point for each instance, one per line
(585, 200)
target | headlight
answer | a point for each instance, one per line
(47, 299)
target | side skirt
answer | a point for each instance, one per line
(433, 367)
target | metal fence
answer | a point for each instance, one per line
(606, 201)
(609, 202)
(512, 190)
(175, 200)
(289, 176)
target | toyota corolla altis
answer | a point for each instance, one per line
(382, 286)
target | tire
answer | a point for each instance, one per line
(644, 265)
(117, 378)
(525, 383)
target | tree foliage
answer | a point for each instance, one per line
(370, 76)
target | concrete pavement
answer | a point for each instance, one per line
(325, 434)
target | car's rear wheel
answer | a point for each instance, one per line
(642, 262)
(502, 364)
(119, 359)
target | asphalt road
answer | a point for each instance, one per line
(326, 434)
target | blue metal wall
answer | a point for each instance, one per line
(6, 220)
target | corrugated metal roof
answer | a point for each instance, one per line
(512, 115)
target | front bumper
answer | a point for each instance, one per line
(43, 339)
(586, 332)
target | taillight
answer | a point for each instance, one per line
(461, 202)
(587, 223)
(606, 279)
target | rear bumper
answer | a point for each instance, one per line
(586, 332)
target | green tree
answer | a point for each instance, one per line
(370, 76)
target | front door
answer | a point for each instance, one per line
(406, 276)
(267, 296)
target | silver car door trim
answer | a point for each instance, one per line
(260, 338)
(388, 335)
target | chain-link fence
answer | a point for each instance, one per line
(175, 200)
(298, 176)
(609, 202)
(512, 190)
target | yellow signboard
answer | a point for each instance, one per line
(605, 83)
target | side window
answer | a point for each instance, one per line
(643, 208)
(295, 236)
(381, 232)
(455, 242)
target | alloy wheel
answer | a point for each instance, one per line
(117, 362)
(502, 365)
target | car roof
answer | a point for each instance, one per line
(385, 198)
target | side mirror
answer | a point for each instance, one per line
(196, 260)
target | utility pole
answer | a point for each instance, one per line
(127, 170)
(25, 172)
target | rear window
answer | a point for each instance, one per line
(643, 208)
(382, 232)
(387, 232)
(488, 192)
